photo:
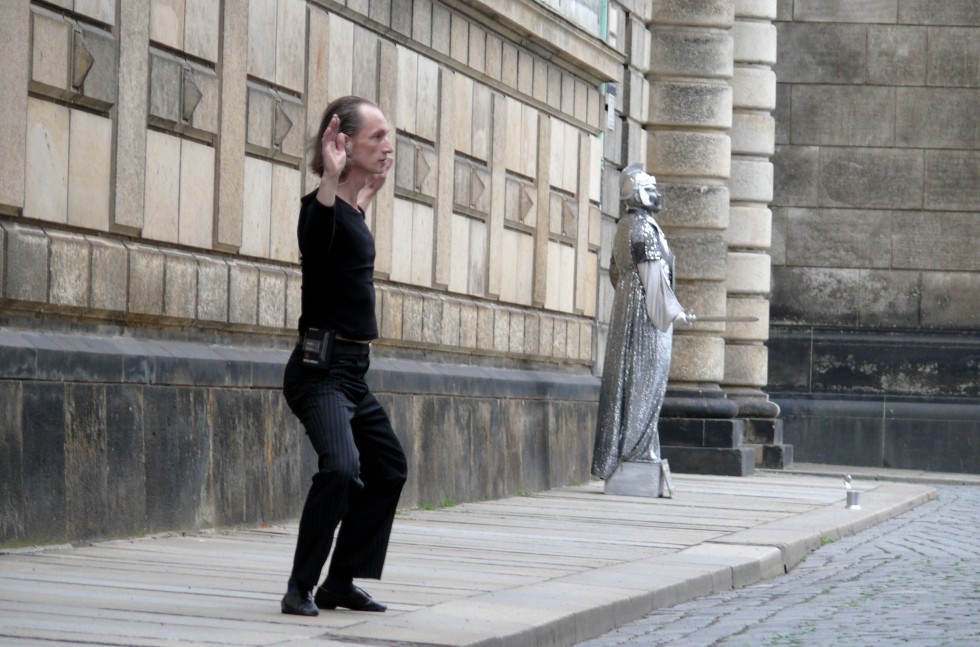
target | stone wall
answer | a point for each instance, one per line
(155, 152)
(875, 350)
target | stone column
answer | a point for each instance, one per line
(15, 36)
(750, 228)
(689, 150)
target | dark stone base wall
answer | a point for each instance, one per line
(908, 401)
(113, 437)
(935, 435)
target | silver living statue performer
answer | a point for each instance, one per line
(634, 377)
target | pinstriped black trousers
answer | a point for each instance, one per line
(361, 468)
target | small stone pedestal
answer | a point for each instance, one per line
(641, 479)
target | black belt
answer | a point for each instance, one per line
(345, 347)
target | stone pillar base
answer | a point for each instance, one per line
(641, 479)
(766, 436)
(734, 461)
(700, 434)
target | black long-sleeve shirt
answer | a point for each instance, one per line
(337, 259)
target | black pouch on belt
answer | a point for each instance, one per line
(317, 345)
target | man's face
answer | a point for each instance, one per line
(370, 146)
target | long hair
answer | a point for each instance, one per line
(348, 109)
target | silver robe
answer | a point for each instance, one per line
(634, 375)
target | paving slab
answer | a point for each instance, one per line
(555, 568)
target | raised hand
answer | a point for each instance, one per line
(334, 148)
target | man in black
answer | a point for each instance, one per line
(362, 466)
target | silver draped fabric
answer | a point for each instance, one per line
(634, 375)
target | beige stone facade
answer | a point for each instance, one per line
(155, 152)
(177, 129)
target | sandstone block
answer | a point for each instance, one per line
(816, 295)
(197, 171)
(697, 359)
(131, 133)
(698, 206)
(290, 51)
(212, 288)
(243, 292)
(294, 295)
(146, 276)
(796, 176)
(257, 205)
(284, 213)
(897, 55)
(697, 154)
(272, 297)
(680, 103)
(748, 306)
(364, 71)
(166, 77)
(180, 285)
(441, 30)
(26, 263)
(938, 241)
(261, 108)
(167, 22)
(110, 275)
(638, 43)
(747, 273)
(764, 9)
(617, 36)
(783, 112)
(15, 62)
(753, 88)
(874, 11)
(950, 12)
(201, 24)
(700, 256)
(685, 52)
(103, 11)
(708, 13)
(751, 180)
(952, 180)
(937, 118)
(46, 191)
(839, 238)
(753, 133)
(871, 178)
(162, 187)
(746, 364)
(70, 260)
(843, 116)
(754, 42)
(749, 227)
(262, 18)
(50, 54)
(890, 298)
(777, 248)
(89, 171)
(949, 300)
(822, 53)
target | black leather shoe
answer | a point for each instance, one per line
(299, 604)
(356, 600)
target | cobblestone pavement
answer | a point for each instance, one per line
(912, 580)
